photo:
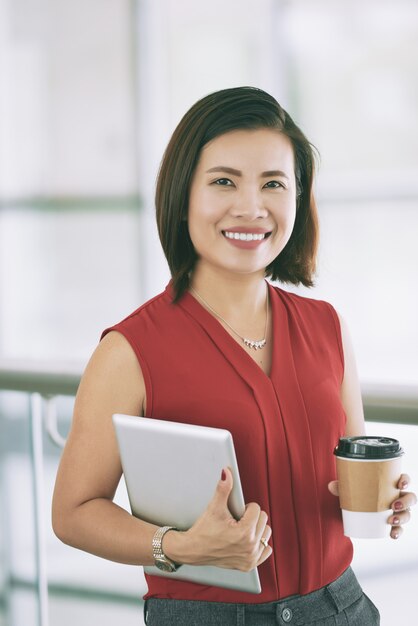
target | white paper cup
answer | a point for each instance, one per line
(368, 470)
(366, 525)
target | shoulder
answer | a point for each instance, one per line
(113, 376)
(307, 305)
(122, 347)
(314, 316)
(157, 312)
(118, 363)
(154, 306)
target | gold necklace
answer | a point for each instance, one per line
(251, 343)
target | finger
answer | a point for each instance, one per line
(263, 533)
(405, 501)
(223, 489)
(396, 532)
(333, 487)
(265, 554)
(262, 547)
(251, 515)
(404, 481)
(261, 525)
(267, 532)
(399, 518)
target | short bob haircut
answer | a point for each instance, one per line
(218, 113)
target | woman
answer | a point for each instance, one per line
(222, 347)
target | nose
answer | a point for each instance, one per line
(249, 204)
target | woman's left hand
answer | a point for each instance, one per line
(400, 507)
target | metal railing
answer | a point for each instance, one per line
(45, 382)
(42, 383)
(397, 404)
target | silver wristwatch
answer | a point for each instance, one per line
(161, 561)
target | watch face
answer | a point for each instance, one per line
(164, 565)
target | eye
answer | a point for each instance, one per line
(274, 184)
(223, 182)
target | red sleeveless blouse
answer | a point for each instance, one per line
(284, 426)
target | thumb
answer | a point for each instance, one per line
(333, 487)
(223, 489)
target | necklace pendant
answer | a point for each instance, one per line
(256, 345)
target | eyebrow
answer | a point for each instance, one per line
(231, 170)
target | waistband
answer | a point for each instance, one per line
(320, 604)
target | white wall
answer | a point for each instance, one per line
(67, 124)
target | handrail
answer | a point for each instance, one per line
(46, 378)
(51, 423)
(49, 380)
(386, 403)
(36, 432)
(391, 395)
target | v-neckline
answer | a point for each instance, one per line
(226, 343)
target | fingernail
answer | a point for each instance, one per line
(395, 535)
(396, 520)
(397, 506)
(404, 484)
(223, 475)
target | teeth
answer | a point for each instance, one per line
(244, 236)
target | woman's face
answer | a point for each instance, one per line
(242, 202)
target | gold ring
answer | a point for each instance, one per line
(264, 541)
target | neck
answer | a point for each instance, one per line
(231, 295)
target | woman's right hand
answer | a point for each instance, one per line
(217, 538)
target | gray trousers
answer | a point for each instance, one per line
(341, 603)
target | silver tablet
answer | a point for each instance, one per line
(171, 471)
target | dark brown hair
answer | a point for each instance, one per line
(214, 115)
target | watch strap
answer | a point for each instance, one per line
(157, 550)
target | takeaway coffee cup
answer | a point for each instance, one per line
(368, 470)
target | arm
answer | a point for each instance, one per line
(353, 406)
(83, 514)
(350, 388)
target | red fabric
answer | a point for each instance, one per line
(284, 426)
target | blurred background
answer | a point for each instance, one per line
(90, 92)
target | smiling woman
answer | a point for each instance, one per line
(248, 122)
(223, 347)
(248, 211)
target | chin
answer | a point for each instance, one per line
(244, 270)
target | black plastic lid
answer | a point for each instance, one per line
(368, 448)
